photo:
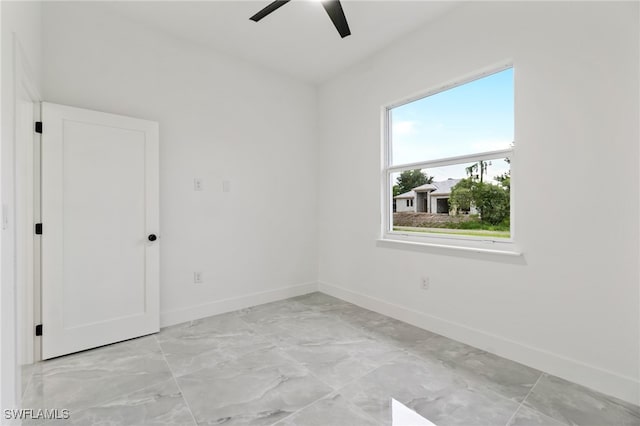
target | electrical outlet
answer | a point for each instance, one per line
(197, 184)
(424, 283)
(197, 277)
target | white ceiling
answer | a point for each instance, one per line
(298, 39)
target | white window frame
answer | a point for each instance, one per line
(448, 241)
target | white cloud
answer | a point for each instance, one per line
(404, 128)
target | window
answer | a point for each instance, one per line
(450, 152)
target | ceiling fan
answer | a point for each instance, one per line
(333, 8)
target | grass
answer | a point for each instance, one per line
(478, 225)
(465, 232)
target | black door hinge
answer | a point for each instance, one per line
(38, 229)
(39, 330)
(38, 126)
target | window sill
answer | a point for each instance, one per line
(389, 242)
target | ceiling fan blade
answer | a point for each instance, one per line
(335, 12)
(270, 8)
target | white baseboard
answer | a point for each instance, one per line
(608, 382)
(177, 316)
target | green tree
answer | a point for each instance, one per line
(461, 197)
(472, 170)
(505, 178)
(491, 201)
(410, 179)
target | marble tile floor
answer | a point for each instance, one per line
(309, 360)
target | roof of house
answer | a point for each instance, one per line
(437, 188)
(426, 187)
(409, 194)
(444, 187)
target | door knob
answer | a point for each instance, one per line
(152, 237)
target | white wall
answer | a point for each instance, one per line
(401, 205)
(20, 23)
(220, 119)
(571, 304)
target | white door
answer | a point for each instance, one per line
(100, 255)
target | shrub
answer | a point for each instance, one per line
(492, 201)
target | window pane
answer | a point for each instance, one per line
(471, 199)
(468, 119)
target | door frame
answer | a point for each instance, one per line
(31, 159)
(20, 284)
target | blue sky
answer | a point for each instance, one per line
(471, 118)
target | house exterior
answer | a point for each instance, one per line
(428, 198)
(405, 202)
